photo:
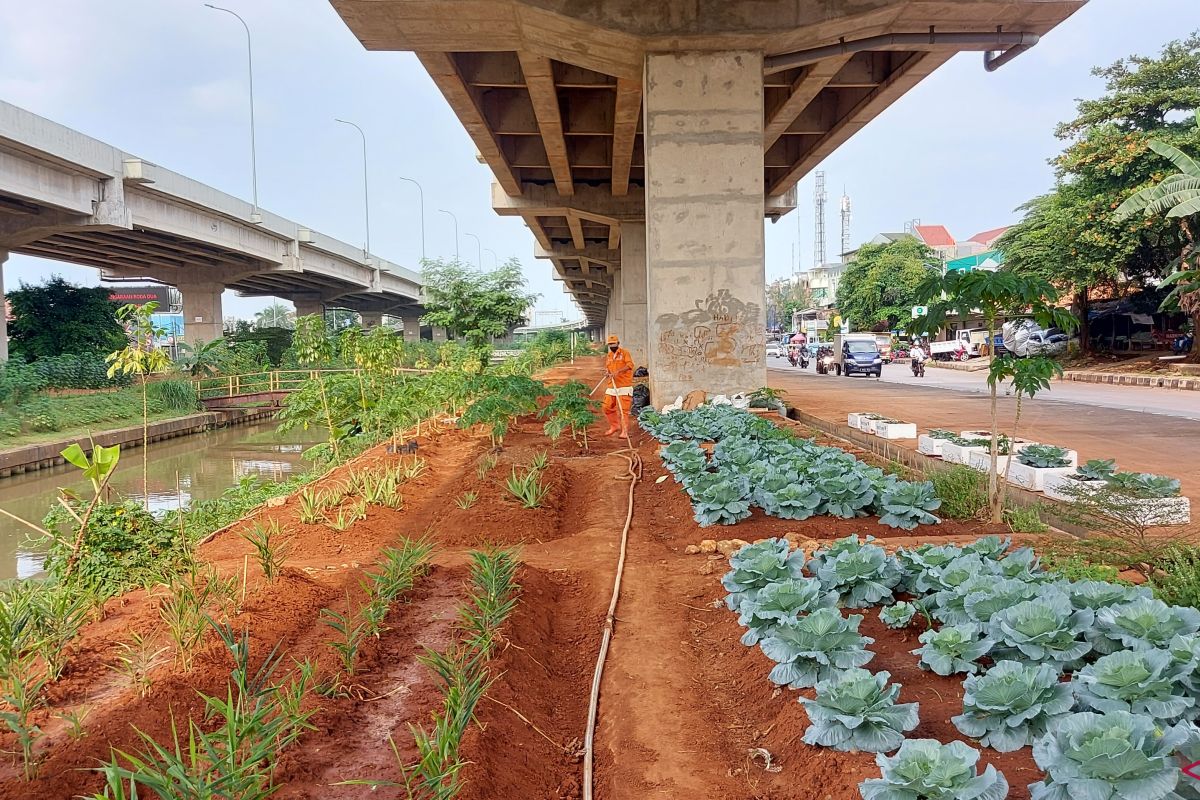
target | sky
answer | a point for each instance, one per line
(165, 80)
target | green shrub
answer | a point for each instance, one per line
(1025, 519)
(172, 395)
(963, 491)
(1177, 579)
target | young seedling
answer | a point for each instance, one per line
(527, 488)
(351, 632)
(137, 658)
(466, 500)
(183, 612)
(540, 460)
(270, 548)
(342, 521)
(414, 469)
(74, 721)
(23, 694)
(311, 507)
(61, 613)
(485, 466)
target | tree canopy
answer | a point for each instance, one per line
(476, 305)
(59, 317)
(1071, 235)
(880, 286)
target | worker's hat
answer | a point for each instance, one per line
(613, 340)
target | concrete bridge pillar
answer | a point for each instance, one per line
(633, 290)
(202, 319)
(307, 306)
(412, 327)
(370, 319)
(615, 324)
(440, 334)
(703, 119)
(3, 315)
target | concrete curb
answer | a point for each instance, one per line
(974, 365)
(46, 455)
(924, 464)
(1119, 379)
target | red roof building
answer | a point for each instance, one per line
(985, 238)
(934, 236)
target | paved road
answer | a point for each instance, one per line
(1144, 429)
(1142, 399)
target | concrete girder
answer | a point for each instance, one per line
(802, 92)
(539, 80)
(593, 202)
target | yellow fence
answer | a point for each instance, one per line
(279, 380)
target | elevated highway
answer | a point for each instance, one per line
(69, 197)
(643, 144)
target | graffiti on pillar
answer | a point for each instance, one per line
(721, 330)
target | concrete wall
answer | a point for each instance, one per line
(3, 316)
(615, 325)
(703, 119)
(633, 290)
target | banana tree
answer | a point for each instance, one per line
(140, 357)
(1176, 196)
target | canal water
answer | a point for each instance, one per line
(188, 468)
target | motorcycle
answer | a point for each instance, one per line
(824, 361)
(792, 356)
(918, 368)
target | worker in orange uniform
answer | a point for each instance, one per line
(618, 365)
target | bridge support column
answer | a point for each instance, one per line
(370, 319)
(616, 320)
(201, 311)
(412, 327)
(703, 118)
(440, 334)
(3, 314)
(305, 307)
(633, 290)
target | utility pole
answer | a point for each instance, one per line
(819, 198)
(845, 222)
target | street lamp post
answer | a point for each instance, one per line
(256, 216)
(495, 258)
(366, 195)
(444, 211)
(478, 250)
(421, 193)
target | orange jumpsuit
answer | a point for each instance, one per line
(619, 366)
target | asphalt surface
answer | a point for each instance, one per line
(1142, 399)
(1144, 429)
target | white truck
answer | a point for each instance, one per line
(964, 345)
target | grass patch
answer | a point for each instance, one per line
(963, 491)
(1177, 580)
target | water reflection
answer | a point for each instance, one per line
(179, 470)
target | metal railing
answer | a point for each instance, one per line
(279, 380)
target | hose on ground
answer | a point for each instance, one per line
(634, 472)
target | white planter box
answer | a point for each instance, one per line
(929, 445)
(958, 454)
(1153, 511)
(855, 420)
(1033, 478)
(867, 425)
(1053, 486)
(975, 434)
(982, 460)
(896, 430)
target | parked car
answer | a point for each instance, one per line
(856, 353)
(1024, 337)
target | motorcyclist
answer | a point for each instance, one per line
(917, 354)
(792, 354)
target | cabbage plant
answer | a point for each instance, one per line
(719, 498)
(1101, 594)
(758, 565)
(1144, 485)
(988, 597)
(906, 505)
(1143, 623)
(926, 769)
(949, 606)
(856, 710)
(847, 493)
(847, 544)
(1047, 629)
(781, 495)
(990, 546)
(1185, 661)
(815, 647)
(864, 577)
(1044, 456)
(1012, 704)
(1113, 756)
(898, 615)
(916, 565)
(953, 648)
(779, 601)
(1136, 681)
(1021, 564)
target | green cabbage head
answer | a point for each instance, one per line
(1136, 681)
(1113, 756)
(953, 648)
(1047, 629)
(856, 710)
(1011, 705)
(1142, 624)
(780, 601)
(926, 769)
(864, 577)
(757, 565)
(815, 647)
